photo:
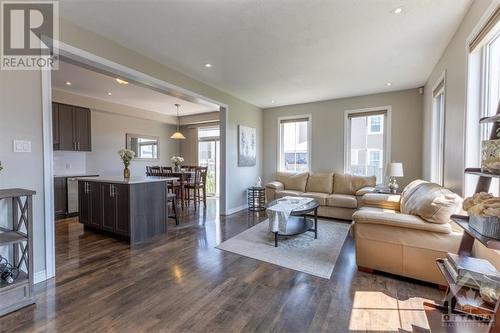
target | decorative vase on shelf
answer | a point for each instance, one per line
(126, 172)
(177, 167)
(490, 156)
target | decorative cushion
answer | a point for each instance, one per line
(320, 182)
(350, 184)
(293, 181)
(285, 193)
(433, 203)
(342, 200)
(321, 197)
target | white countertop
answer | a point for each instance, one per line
(131, 180)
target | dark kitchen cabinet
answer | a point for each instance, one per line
(71, 127)
(60, 197)
(104, 206)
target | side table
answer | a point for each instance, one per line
(256, 199)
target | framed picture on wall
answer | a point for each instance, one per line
(247, 146)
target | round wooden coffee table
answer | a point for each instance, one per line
(298, 222)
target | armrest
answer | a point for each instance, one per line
(379, 200)
(275, 186)
(365, 190)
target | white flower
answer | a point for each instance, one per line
(177, 159)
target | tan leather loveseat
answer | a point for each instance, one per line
(337, 194)
(405, 234)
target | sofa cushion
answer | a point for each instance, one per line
(320, 182)
(342, 200)
(291, 193)
(320, 197)
(350, 184)
(431, 202)
(380, 200)
(293, 181)
(370, 215)
(275, 186)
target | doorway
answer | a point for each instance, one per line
(209, 156)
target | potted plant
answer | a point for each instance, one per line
(126, 155)
(490, 154)
(177, 161)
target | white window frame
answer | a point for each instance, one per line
(347, 131)
(369, 125)
(357, 156)
(438, 148)
(309, 139)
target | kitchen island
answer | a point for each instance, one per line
(134, 209)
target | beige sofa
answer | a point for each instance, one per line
(337, 194)
(404, 234)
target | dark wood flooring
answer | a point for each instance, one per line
(180, 283)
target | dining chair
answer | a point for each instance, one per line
(197, 184)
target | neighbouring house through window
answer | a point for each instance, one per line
(294, 144)
(367, 150)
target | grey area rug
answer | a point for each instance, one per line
(301, 253)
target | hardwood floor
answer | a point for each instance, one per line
(180, 282)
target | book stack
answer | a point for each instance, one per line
(468, 271)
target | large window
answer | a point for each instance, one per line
(294, 145)
(437, 135)
(366, 143)
(483, 98)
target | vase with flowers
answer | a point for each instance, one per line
(490, 154)
(177, 161)
(126, 155)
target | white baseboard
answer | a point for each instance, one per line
(235, 209)
(39, 277)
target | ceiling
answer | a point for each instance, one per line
(96, 85)
(286, 51)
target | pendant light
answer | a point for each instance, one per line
(177, 134)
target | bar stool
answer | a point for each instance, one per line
(172, 198)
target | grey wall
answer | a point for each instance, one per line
(21, 119)
(453, 61)
(328, 131)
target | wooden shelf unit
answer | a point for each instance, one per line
(463, 222)
(18, 237)
(478, 172)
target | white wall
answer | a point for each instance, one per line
(454, 62)
(328, 131)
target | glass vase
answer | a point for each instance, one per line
(126, 172)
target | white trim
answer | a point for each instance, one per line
(347, 140)
(236, 210)
(92, 60)
(40, 277)
(309, 138)
(442, 120)
(48, 175)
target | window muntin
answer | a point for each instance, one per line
(294, 143)
(375, 124)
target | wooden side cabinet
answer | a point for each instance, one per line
(71, 127)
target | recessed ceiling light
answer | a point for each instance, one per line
(398, 10)
(67, 83)
(207, 65)
(272, 101)
(120, 81)
(388, 84)
(109, 94)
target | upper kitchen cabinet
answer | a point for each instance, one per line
(71, 127)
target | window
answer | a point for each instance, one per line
(375, 158)
(482, 100)
(367, 138)
(437, 134)
(294, 137)
(147, 148)
(375, 124)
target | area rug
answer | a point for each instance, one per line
(302, 253)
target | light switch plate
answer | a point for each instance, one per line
(21, 146)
